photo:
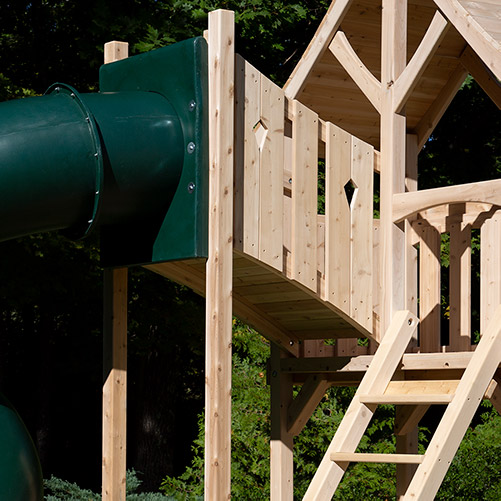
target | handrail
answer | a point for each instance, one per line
(408, 205)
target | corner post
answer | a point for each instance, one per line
(393, 139)
(220, 261)
(114, 358)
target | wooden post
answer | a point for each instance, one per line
(281, 459)
(220, 262)
(429, 290)
(393, 61)
(115, 384)
(407, 443)
(114, 359)
(411, 254)
(460, 284)
(490, 269)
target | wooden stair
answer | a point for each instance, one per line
(462, 398)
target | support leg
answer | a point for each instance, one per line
(405, 444)
(115, 384)
(281, 459)
(220, 263)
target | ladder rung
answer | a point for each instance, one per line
(423, 399)
(348, 457)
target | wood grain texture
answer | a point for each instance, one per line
(115, 384)
(429, 290)
(220, 261)
(271, 175)
(304, 196)
(338, 217)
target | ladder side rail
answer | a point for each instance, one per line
(358, 415)
(458, 415)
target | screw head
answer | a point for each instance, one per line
(191, 147)
(191, 187)
(192, 105)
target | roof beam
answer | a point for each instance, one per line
(363, 78)
(474, 33)
(431, 118)
(482, 75)
(317, 47)
(410, 76)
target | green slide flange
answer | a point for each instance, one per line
(178, 72)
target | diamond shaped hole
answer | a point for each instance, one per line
(260, 131)
(349, 189)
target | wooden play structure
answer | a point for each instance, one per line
(363, 100)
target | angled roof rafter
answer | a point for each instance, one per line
(365, 80)
(475, 35)
(317, 47)
(482, 75)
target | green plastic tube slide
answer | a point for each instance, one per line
(71, 161)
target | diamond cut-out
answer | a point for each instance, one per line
(349, 189)
(260, 131)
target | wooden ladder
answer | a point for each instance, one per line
(377, 387)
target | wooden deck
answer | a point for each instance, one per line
(279, 308)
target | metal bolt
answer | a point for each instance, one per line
(57, 89)
(72, 94)
(191, 187)
(192, 105)
(191, 147)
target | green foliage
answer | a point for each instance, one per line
(475, 472)
(62, 490)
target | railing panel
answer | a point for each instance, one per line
(271, 168)
(248, 104)
(304, 195)
(362, 168)
(338, 218)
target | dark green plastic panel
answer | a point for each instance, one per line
(20, 471)
(179, 73)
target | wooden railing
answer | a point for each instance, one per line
(283, 152)
(279, 147)
(458, 221)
